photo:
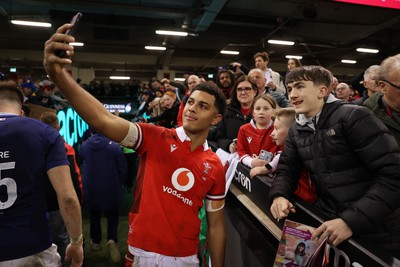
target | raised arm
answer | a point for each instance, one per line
(70, 211)
(88, 107)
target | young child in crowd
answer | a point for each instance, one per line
(284, 119)
(254, 144)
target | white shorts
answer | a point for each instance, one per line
(46, 258)
(150, 259)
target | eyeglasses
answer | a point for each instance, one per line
(244, 89)
(395, 86)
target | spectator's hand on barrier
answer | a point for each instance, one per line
(257, 162)
(52, 63)
(74, 252)
(336, 230)
(258, 170)
(232, 147)
(281, 207)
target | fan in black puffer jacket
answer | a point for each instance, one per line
(355, 164)
(350, 156)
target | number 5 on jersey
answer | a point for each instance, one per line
(10, 184)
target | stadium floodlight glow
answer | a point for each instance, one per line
(149, 47)
(280, 42)
(293, 56)
(120, 78)
(367, 50)
(349, 61)
(77, 44)
(30, 23)
(229, 52)
(174, 33)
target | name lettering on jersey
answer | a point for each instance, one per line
(182, 180)
(249, 139)
(4, 154)
(173, 147)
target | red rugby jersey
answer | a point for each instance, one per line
(252, 140)
(172, 182)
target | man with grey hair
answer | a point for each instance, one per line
(334, 84)
(259, 78)
(344, 92)
(370, 83)
(386, 103)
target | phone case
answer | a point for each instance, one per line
(265, 155)
(75, 21)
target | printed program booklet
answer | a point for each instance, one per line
(297, 249)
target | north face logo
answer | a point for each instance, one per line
(330, 132)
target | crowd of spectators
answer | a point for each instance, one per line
(161, 102)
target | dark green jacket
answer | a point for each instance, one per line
(375, 104)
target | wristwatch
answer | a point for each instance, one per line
(268, 166)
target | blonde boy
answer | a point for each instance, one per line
(284, 118)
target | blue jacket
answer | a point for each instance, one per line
(104, 172)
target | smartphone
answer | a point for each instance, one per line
(75, 22)
(265, 155)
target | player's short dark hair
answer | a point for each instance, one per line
(212, 89)
(317, 74)
(11, 92)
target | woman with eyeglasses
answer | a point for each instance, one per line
(238, 113)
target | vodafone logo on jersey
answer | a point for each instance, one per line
(182, 179)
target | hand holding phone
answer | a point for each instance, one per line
(265, 155)
(71, 31)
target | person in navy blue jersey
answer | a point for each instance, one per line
(29, 152)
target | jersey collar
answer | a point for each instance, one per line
(183, 137)
(7, 114)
